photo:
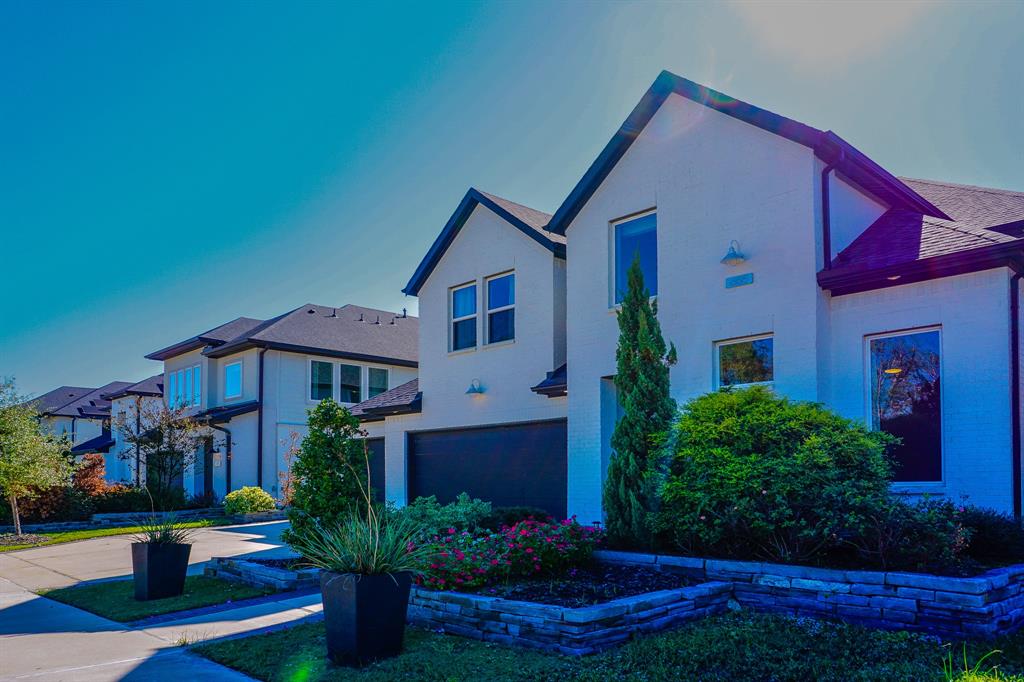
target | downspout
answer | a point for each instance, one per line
(259, 423)
(227, 455)
(826, 212)
(138, 430)
(1015, 406)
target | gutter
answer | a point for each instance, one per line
(1015, 402)
(227, 454)
(259, 422)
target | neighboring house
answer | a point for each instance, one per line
(253, 381)
(895, 302)
(81, 414)
(132, 401)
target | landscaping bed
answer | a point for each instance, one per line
(115, 599)
(589, 585)
(276, 574)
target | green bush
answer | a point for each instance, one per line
(510, 516)
(996, 537)
(923, 536)
(122, 498)
(248, 500)
(756, 476)
(435, 518)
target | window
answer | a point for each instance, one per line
(464, 317)
(172, 390)
(321, 380)
(233, 380)
(197, 386)
(351, 383)
(184, 387)
(746, 361)
(636, 238)
(378, 381)
(906, 400)
(501, 312)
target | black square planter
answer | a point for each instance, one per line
(159, 569)
(364, 615)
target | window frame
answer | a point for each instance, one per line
(362, 383)
(309, 379)
(717, 360)
(387, 380)
(241, 380)
(452, 319)
(488, 311)
(910, 486)
(614, 255)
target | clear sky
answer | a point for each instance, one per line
(166, 167)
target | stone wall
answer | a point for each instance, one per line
(986, 605)
(574, 631)
(252, 573)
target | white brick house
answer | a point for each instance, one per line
(893, 301)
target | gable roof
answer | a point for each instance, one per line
(211, 337)
(986, 230)
(100, 443)
(152, 386)
(92, 405)
(59, 397)
(531, 222)
(351, 331)
(826, 145)
(403, 399)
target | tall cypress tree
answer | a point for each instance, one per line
(642, 382)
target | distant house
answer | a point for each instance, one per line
(253, 381)
(82, 414)
(122, 462)
(779, 255)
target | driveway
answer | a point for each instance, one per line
(111, 557)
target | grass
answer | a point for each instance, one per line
(116, 599)
(60, 537)
(733, 647)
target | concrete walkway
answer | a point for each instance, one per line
(45, 640)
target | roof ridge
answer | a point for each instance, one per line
(496, 197)
(979, 188)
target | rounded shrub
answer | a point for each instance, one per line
(755, 476)
(248, 500)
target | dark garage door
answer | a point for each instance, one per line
(518, 464)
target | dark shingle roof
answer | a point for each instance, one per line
(555, 384)
(350, 331)
(981, 217)
(399, 400)
(223, 413)
(216, 336)
(153, 386)
(538, 220)
(91, 405)
(101, 443)
(59, 397)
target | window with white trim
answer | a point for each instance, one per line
(635, 238)
(377, 381)
(351, 384)
(501, 310)
(184, 387)
(321, 380)
(745, 362)
(905, 399)
(463, 317)
(233, 380)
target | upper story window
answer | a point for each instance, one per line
(351, 384)
(185, 387)
(635, 238)
(321, 380)
(463, 323)
(378, 381)
(905, 397)
(233, 380)
(744, 362)
(501, 311)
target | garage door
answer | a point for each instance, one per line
(516, 464)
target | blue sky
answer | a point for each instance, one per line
(168, 167)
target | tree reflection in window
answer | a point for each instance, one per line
(906, 401)
(745, 362)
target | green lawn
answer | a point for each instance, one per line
(733, 647)
(73, 535)
(116, 599)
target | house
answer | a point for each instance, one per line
(253, 381)
(79, 413)
(779, 254)
(130, 402)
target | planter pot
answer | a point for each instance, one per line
(159, 569)
(364, 615)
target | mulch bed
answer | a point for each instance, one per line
(589, 586)
(289, 564)
(8, 539)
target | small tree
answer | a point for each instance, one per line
(642, 381)
(29, 459)
(165, 441)
(330, 468)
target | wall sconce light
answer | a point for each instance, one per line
(475, 387)
(733, 256)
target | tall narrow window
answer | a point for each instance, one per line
(179, 395)
(636, 238)
(172, 390)
(186, 388)
(321, 380)
(233, 380)
(351, 383)
(464, 317)
(746, 361)
(906, 400)
(501, 312)
(197, 385)
(378, 380)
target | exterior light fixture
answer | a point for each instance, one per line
(475, 387)
(893, 370)
(733, 256)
